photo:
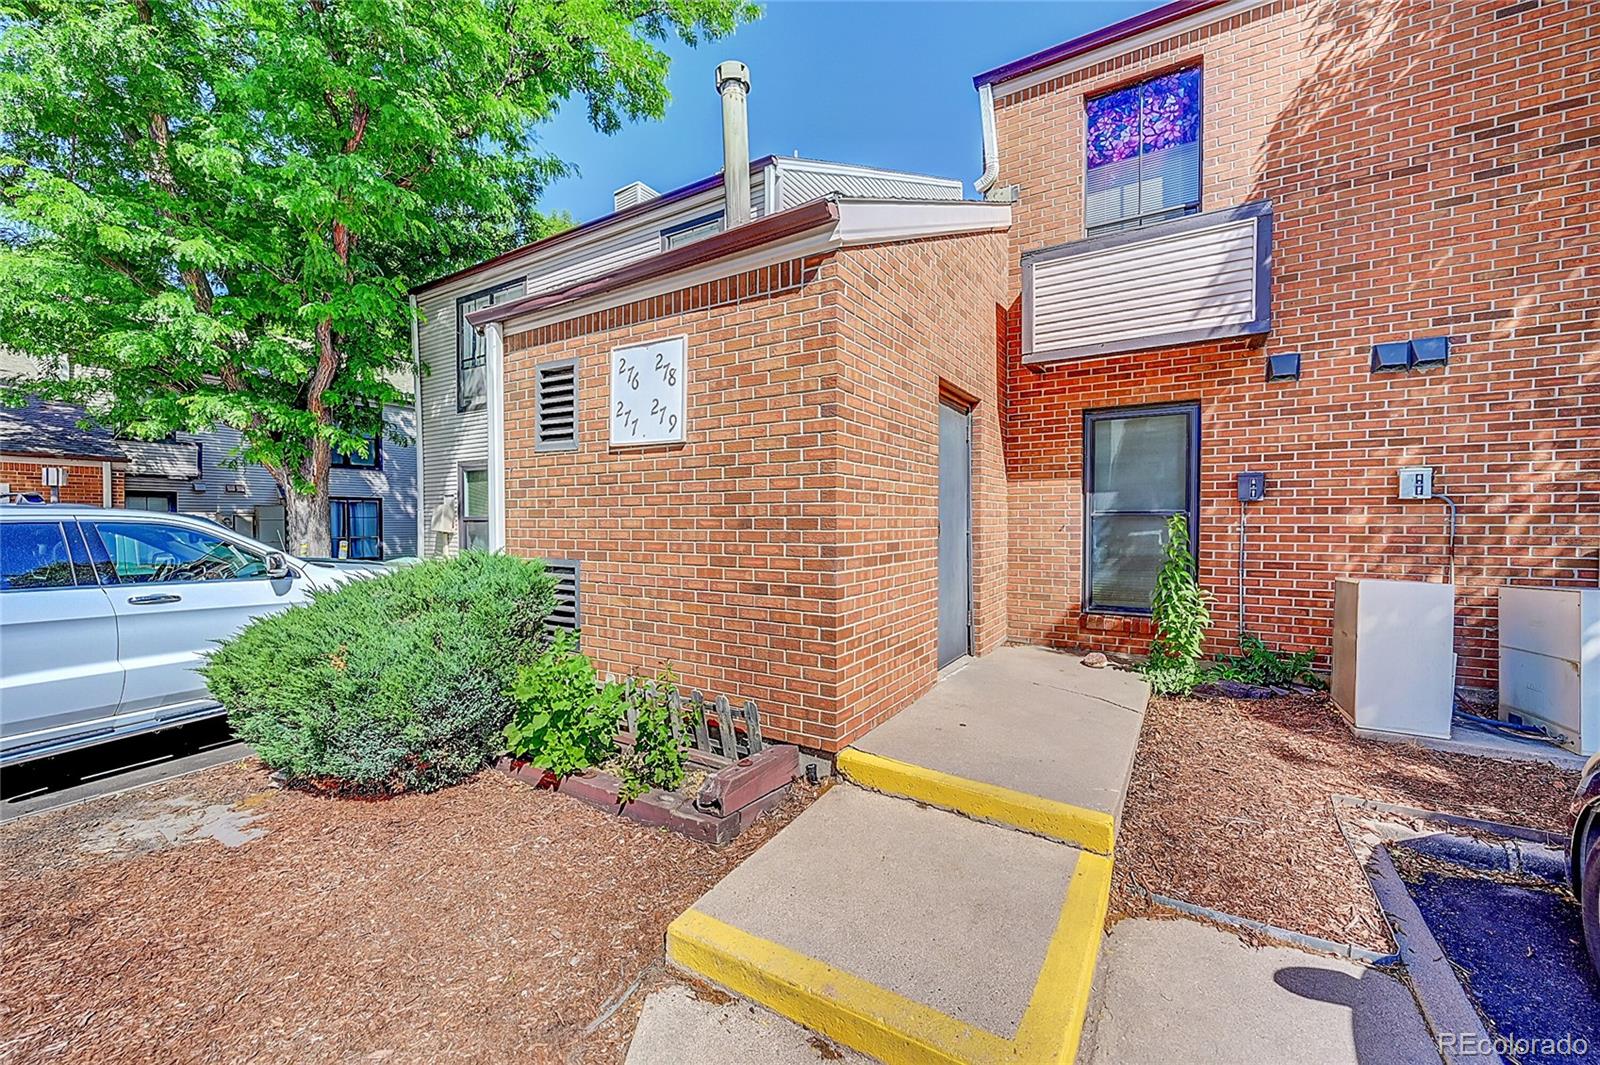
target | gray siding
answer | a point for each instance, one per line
(232, 493)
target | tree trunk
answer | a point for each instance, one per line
(305, 519)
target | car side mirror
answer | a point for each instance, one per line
(277, 565)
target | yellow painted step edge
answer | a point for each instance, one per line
(1093, 830)
(891, 1027)
(842, 1007)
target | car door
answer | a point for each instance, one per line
(60, 679)
(180, 589)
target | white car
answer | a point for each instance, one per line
(104, 615)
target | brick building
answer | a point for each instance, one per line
(43, 441)
(814, 457)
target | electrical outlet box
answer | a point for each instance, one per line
(1416, 482)
(1252, 486)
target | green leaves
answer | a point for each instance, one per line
(1180, 610)
(280, 168)
(566, 720)
(656, 759)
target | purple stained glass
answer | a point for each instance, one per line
(1164, 110)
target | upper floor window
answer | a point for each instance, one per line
(472, 353)
(689, 232)
(354, 460)
(1142, 155)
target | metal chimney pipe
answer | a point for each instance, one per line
(733, 85)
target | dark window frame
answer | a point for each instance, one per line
(1164, 214)
(334, 501)
(1091, 418)
(465, 404)
(341, 459)
(170, 497)
(462, 519)
(693, 223)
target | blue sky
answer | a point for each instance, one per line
(882, 84)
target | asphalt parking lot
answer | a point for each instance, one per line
(52, 783)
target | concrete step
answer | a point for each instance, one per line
(908, 933)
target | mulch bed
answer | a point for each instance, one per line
(1229, 808)
(486, 922)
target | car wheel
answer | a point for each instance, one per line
(1589, 899)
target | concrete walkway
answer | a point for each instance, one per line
(914, 930)
(1178, 990)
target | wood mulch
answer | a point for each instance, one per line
(1229, 807)
(485, 922)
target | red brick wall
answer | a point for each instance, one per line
(1434, 168)
(85, 481)
(786, 550)
(919, 317)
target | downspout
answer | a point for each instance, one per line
(416, 415)
(991, 142)
(497, 436)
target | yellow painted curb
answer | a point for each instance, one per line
(842, 1007)
(891, 1027)
(1091, 829)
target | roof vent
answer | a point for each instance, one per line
(633, 195)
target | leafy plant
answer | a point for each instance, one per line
(396, 683)
(1258, 664)
(657, 757)
(214, 211)
(1181, 612)
(565, 721)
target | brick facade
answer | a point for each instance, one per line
(1434, 168)
(786, 550)
(86, 481)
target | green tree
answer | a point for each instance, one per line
(213, 209)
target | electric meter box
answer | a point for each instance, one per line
(1394, 663)
(1416, 482)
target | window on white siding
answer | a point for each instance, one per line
(689, 232)
(472, 355)
(1141, 466)
(556, 406)
(1142, 153)
(475, 509)
(565, 613)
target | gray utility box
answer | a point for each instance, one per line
(1550, 662)
(1394, 663)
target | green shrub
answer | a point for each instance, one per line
(396, 683)
(565, 721)
(656, 760)
(1180, 610)
(1258, 664)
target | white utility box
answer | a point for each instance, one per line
(1550, 662)
(1394, 663)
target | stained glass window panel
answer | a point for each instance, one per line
(1142, 152)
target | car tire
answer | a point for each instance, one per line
(1589, 900)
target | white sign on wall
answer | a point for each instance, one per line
(648, 382)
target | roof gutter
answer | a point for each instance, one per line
(814, 215)
(1153, 19)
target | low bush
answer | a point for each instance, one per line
(397, 683)
(1181, 612)
(657, 757)
(565, 720)
(1260, 665)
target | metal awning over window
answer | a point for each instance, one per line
(1204, 277)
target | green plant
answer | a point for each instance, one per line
(400, 682)
(657, 757)
(1258, 664)
(1180, 610)
(565, 721)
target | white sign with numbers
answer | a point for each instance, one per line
(647, 388)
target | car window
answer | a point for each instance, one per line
(148, 552)
(34, 555)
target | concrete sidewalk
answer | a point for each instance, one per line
(915, 933)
